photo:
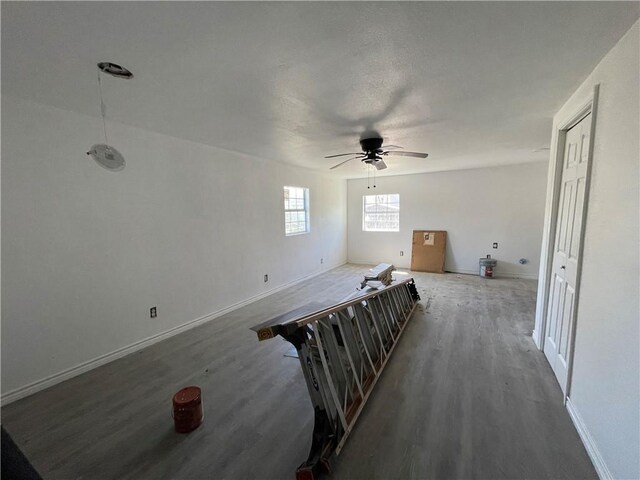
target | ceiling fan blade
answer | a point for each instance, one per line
(342, 155)
(380, 165)
(384, 147)
(342, 163)
(408, 154)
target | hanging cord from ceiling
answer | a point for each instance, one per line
(103, 110)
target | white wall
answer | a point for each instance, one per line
(86, 252)
(605, 388)
(476, 208)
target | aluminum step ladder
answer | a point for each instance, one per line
(342, 349)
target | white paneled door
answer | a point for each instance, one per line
(567, 250)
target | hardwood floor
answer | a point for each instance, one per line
(465, 395)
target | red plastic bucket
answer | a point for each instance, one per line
(187, 409)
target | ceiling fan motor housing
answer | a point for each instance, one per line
(371, 144)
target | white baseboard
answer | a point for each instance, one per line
(536, 340)
(499, 274)
(59, 377)
(589, 443)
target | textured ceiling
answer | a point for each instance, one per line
(474, 83)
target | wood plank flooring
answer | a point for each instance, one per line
(465, 395)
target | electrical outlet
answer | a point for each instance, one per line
(495, 244)
(401, 253)
(153, 312)
(266, 278)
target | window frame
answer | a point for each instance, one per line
(387, 203)
(305, 209)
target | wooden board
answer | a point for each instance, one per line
(428, 250)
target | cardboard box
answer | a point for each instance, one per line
(428, 250)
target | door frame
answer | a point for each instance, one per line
(554, 179)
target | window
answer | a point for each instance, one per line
(381, 213)
(296, 210)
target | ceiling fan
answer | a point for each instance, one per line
(373, 151)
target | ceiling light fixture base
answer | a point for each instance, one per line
(115, 70)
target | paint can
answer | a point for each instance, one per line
(187, 409)
(487, 266)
